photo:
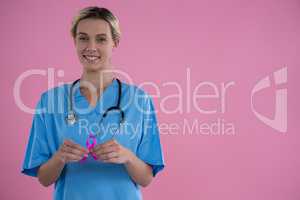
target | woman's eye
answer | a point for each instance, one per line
(83, 39)
(101, 40)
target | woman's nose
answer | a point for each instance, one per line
(91, 44)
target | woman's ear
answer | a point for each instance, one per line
(116, 44)
(74, 40)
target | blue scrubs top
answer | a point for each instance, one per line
(93, 179)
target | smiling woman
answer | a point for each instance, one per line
(115, 166)
(95, 29)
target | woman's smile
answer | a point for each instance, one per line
(91, 59)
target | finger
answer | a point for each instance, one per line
(74, 151)
(96, 148)
(109, 143)
(112, 148)
(68, 142)
(72, 144)
(111, 160)
(80, 148)
(103, 145)
(108, 156)
(72, 157)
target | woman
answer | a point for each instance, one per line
(72, 142)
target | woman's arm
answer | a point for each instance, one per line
(138, 170)
(49, 172)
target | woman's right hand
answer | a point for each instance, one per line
(71, 152)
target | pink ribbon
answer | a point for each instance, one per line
(90, 146)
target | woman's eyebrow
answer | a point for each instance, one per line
(101, 34)
(81, 33)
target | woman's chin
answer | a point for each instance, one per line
(93, 68)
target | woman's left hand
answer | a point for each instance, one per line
(112, 152)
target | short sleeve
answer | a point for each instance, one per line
(37, 151)
(149, 149)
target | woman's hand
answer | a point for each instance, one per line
(71, 152)
(112, 152)
(50, 171)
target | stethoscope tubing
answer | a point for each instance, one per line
(71, 115)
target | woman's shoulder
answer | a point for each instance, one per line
(56, 90)
(135, 94)
(55, 96)
(135, 89)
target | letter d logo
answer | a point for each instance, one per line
(279, 122)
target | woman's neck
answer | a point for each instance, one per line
(92, 84)
(98, 80)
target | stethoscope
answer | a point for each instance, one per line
(71, 117)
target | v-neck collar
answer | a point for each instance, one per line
(107, 99)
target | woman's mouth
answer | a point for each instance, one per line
(91, 58)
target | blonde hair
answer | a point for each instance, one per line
(98, 13)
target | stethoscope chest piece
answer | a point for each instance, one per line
(71, 118)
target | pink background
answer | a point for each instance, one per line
(220, 41)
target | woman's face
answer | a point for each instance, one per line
(94, 44)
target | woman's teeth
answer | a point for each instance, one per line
(91, 58)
